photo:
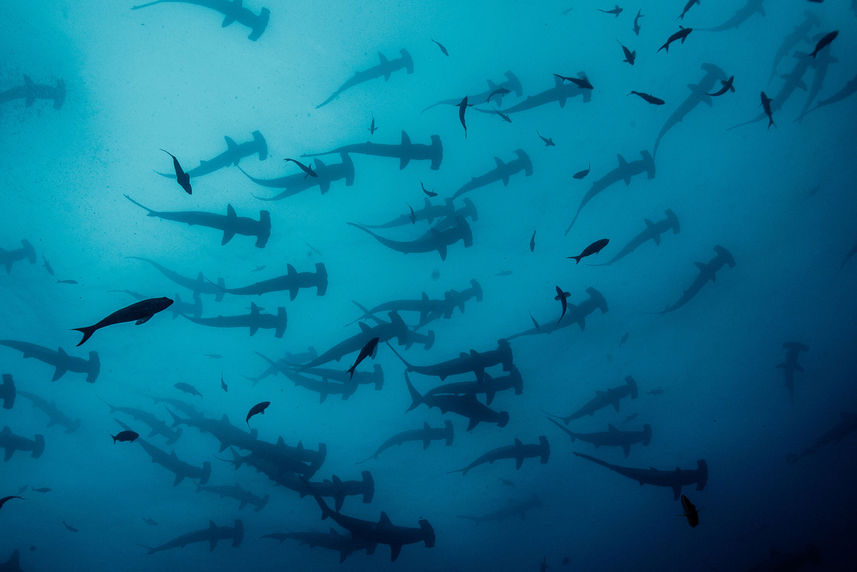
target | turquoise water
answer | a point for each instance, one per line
(779, 200)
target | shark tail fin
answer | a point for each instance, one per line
(416, 398)
(8, 392)
(368, 487)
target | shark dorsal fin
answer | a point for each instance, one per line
(384, 520)
(211, 525)
(611, 428)
(280, 442)
(230, 212)
(518, 442)
(231, 144)
(383, 59)
(364, 327)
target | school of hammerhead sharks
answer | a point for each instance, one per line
(467, 383)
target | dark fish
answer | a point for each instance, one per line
(256, 409)
(426, 191)
(615, 11)
(501, 91)
(67, 281)
(127, 436)
(69, 527)
(582, 82)
(690, 511)
(223, 385)
(687, 7)
(47, 266)
(630, 56)
(41, 490)
(259, 268)
(139, 313)
(305, 168)
(656, 391)
(372, 128)
(727, 86)
(462, 107)
(4, 500)
(648, 98)
(823, 42)
(623, 339)
(637, 22)
(368, 350)
(187, 388)
(682, 35)
(581, 174)
(547, 140)
(593, 248)
(441, 46)
(149, 521)
(563, 299)
(766, 105)
(182, 178)
(533, 242)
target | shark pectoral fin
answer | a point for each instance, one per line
(227, 20)
(143, 320)
(616, 405)
(395, 549)
(59, 372)
(212, 543)
(253, 329)
(227, 236)
(179, 478)
(627, 449)
(676, 491)
(518, 461)
(441, 249)
(8, 453)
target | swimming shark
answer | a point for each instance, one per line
(438, 238)
(624, 172)
(31, 91)
(653, 232)
(750, 8)
(675, 479)
(381, 532)
(332, 540)
(790, 365)
(489, 386)
(172, 463)
(157, 426)
(232, 10)
(428, 309)
(212, 535)
(517, 451)
(501, 172)
(8, 392)
(698, 94)
(849, 89)
(612, 437)
(294, 184)
(232, 156)
(819, 74)
(255, 320)
(603, 398)
(560, 92)
(287, 366)
(243, 496)
(59, 359)
(10, 257)
(465, 405)
(291, 281)
(846, 426)
(230, 223)
(575, 314)
(337, 489)
(177, 308)
(321, 385)
(496, 92)
(221, 429)
(431, 212)
(425, 435)
(11, 442)
(793, 39)
(405, 151)
(511, 509)
(198, 285)
(49, 408)
(476, 362)
(707, 272)
(384, 68)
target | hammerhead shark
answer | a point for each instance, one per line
(232, 10)
(602, 399)
(13, 564)
(847, 425)
(405, 151)
(332, 540)
(425, 435)
(292, 281)
(172, 463)
(384, 68)
(381, 532)
(518, 451)
(511, 509)
(612, 437)
(624, 172)
(790, 365)
(819, 75)
(560, 92)
(428, 309)
(212, 535)
(59, 359)
(295, 183)
(198, 285)
(324, 386)
(8, 391)
(476, 362)
(10, 257)
(231, 224)
(501, 172)
(653, 232)
(286, 367)
(741, 15)
(438, 238)
(11, 442)
(698, 94)
(849, 89)
(464, 405)
(232, 156)
(495, 92)
(49, 408)
(793, 39)
(431, 212)
(675, 479)
(157, 426)
(707, 271)
(575, 314)
(255, 320)
(489, 386)
(243, 496)
(30, 92)
(221, 429)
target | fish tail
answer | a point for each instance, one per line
(87, 333)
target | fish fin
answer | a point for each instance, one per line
(230, 144)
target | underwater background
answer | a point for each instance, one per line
(780, 200)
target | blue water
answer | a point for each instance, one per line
(779, 199)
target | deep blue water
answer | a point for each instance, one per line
(780, 200)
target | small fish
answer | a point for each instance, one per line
(69, 527)
(637, 22)
(259, 268)
(582, 82)
(426, 191)
(314, 249)
(615, 11)
(593, 248)
(688, 6)
(501, 115)
(182, 178)
(4, 500)
(682, 35)
(766, 105)
(47, 266)
(547, 140)
(507, 482)
(501, 91)
(223, 385)
(690, 511)
(623, 339)
(630, 56)
(372, 128)
(67, 281)
(441, 46)
(187, 388)
(127, 436)
(149, 521)
(504, 273)
(462, 107)
(42, 490)
(563, 299)
(413, 215)
(368, 350)
(823, 42)
(305, 168)
(533, 242)
(257, 409)
(582, 174)
(727, 86)
(648, 98)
